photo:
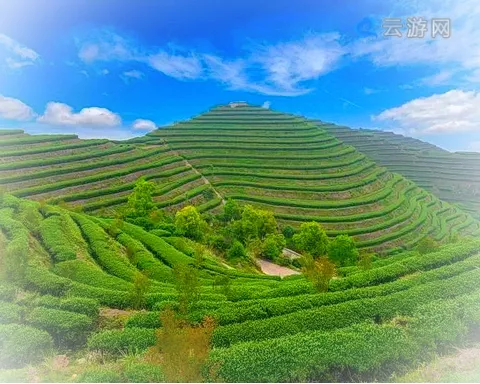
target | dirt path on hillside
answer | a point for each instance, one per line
(205, 180)
(272, 269)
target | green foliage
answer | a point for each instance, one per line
(348, 313)
(100, 375)
(273, 245)
(89, 307)
(318, 271)
(187, 285)
(365, 260)
(189, 223)
(143, 373)
(288, 231)
(311, 239)
(427, 245)
(67, 328)
(10, 313)
(140, 287)
(140, 202)
(58, 240)
(236, 251)
(231, 210)
(120, 341)
(21, 345)
(255, 224)
(342, 251)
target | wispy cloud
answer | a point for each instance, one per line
(134, 74)
(279, 69)
(20, 55)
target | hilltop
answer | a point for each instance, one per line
(281, 162)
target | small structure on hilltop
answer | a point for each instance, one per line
(235, 104)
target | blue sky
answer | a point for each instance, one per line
(117, 68)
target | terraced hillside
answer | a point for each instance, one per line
(453, 177)
(92, 174)
(63, 272)
(302, 173)
(251, 154)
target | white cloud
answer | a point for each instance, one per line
(14, 109)
(62, 114)
(133, 74)
(144, 125)
(23, 55)
(451, 112)
(266, 104)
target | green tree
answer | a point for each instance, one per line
(427, 245)
(189, 223)
(231, 210)
(273, 245)
(311, 239)
(288, 231)
(342, 250)
(187, 285)
(140, 287)
(140, 201)
(318, 271)
(236, 251)
(256, 224)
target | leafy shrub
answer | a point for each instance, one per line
(10, 313)
(42, 280)
(160, 232)
(66, 328)
(119, 341)
(58, 244)
(89, 307)
(236, 251)
(426, 245)
(21, 345)
(143, 373)
(7, 292)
